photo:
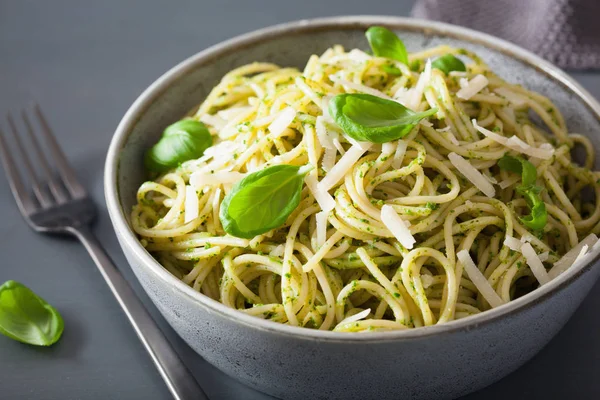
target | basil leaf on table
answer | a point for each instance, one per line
(448, 63)
(538, 217)
(182, 141)
(262, 200)
(385, 43)
(26, 317)
(369, 118)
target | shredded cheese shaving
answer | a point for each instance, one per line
(397, 226)
(472, 174)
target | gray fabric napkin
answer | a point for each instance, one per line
(565, 32)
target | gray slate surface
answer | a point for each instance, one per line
(85, 63)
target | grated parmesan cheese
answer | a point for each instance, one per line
(328, 161)
(257, 89)
(397, 226)
(326, 202)
(191, 208)
(515, 144)
(213, 120)
(447, 133)
(473, 87)
(513, 243)
(509, 182)
(458, 73)
(514, 141)
(527, 237)
(361, 88)
(338, 146)
(323, 134)
(482, 284)
(358, 55)
(325, 108)
(535, 264)
(399, 154)
(224, 149)
(581, 254)
(416, 96)
(388, 148)
(343, 166)
(490, 179)
(569, 258)
(282, 122)
(426, 280)
(403, 95)
(230, 113)
(200, 179)
(321, 219)
(514, 98)
(356, 317)
(278, 251)
(472, 174)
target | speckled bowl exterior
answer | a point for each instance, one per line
(438, 362)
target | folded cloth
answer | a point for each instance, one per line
(565, 32)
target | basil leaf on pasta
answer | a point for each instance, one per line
(520, 166)
(182, 141)
(538, 216)
(369, 118)
(448, 63)
(26, 317)
(262, 200)
(385, 43)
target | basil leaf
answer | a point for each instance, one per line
(385, 43)
(369, 118)
(182, 141)
(448, 63)
(539, 215)
(26, 317)
(520, 166)
(262, 200)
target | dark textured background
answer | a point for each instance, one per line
(85, 62)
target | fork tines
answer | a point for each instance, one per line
(56, 182)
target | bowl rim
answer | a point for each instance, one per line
(129, 240)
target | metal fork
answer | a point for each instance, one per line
(60, 205)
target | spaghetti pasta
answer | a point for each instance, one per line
(336, 263)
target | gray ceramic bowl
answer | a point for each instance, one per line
(437, 362)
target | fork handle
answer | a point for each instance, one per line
(179, 379)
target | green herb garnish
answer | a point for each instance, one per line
(391, 69)
(415, 65)
(182, 141)
(432, 206)
(26, 317)
(365, 117)
(448, 63)
(385, 43)
(262, 200)
(539, 216)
